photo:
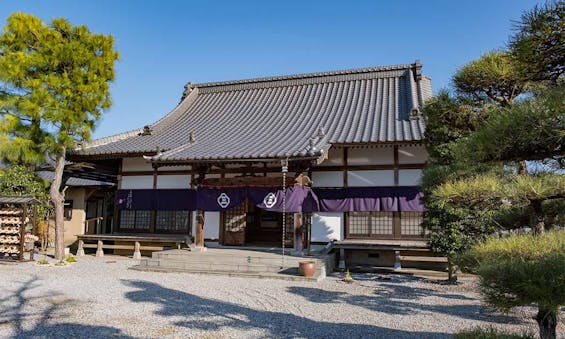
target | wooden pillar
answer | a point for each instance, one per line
(298, 249)
(345, 185)
(199, 237)
(396, 231)
(153, 221)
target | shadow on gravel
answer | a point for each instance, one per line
(392, 298)
(209, 314)
(28, 321)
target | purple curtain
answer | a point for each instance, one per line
(219, 199)
(135, 199)
(149, 199)
(272, 199)
(175, 200)
(405, 198)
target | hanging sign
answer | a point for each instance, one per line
(223, 200)
(270, 200)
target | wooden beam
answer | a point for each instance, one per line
(396, 166)
(263, 171)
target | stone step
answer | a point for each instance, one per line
(258, 261)
(423, 258)
(222, 266)
(258, 275)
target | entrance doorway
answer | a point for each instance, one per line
(248, 225)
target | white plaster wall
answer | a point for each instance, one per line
(76, 224)
(370, 156)
(409, 177)
(335, 157)
(173, 181)
(136, 182)
(211, 225)
(135, 165)
(327, 179)
(327, 226)
(412, 155)
(370, 178)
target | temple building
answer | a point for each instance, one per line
(339, 154)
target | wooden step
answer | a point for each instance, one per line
(423, 259)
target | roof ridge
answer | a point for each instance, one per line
(309, 75)
(109, 139)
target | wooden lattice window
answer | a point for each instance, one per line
(411, 223)
(172, 221)
(371, 224)
(135, 219)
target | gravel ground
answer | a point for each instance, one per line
(102, 298)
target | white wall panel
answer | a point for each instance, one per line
(173, 181)
(335, 157)
(327, 179)
(327, 226)
(412, 155)
(211, 225)
(135, 165)
(370, 156)
(370, 178)
(409, 177)
(136, 182)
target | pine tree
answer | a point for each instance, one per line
(55, 85)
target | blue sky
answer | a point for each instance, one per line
(164, 44)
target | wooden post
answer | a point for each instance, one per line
(298, 249)
(22, 231)
(136, 251)
(199, 237)
(99, 249)
(80, 249)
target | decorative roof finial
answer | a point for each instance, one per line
(312, 147)
(191, 138)
(187, 89)
(146, 131)
(321, 132)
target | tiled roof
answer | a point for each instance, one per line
(278, 117)
(73, 181)
(18, 200)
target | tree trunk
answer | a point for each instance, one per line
(57, 197)
(547, 322)
(451, 271)
(538, 222)
(522, 167)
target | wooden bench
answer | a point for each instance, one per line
(135, 240)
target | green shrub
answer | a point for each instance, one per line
(491, 333)
(70, 258)
(522, 270)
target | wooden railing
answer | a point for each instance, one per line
(92, 225)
